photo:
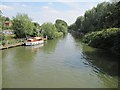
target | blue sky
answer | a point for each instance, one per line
(47, 10)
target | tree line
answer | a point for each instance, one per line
(100, 27)
(104, 15)
(24, 27)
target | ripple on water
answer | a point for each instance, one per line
(60, 63)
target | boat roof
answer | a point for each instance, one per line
(37, 37)
(30, 39)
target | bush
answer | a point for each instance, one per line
(58, 34)
(61, 26)
(50, 30)
(105, 39)
(116, 46)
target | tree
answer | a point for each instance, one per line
(105, 15)
(61, 26)
(108, 39)
(22, 25)
(2, 20)
(79, 22)
(7, 19)
(0, 13)
(37, 29)
(49, 29)
(72, 27)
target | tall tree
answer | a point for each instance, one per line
(49, 29)
(37, 29)
(105, 15)
(2, 20)
(61, 26)
(22, 25)
(7, 19)
(79, 22)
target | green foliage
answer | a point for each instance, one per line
(95, 22)
(6, 37)
(105, 39)
(58, 34)
(72, 27)
(79, 22)
(105, 15)
(49, 29)
(5, 27)
(2, 21)
(22, 25)
(7, 19)
(36, 29)
(61, 26)
(116, 46)
(0, 12)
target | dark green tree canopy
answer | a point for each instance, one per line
(61, 26)
(105, 15)
(7, 19)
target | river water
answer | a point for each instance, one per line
(61, 63)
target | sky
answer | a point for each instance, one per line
(42, 11)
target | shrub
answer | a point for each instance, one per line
(105, 39)
(58, 34)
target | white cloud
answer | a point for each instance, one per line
(4, 7)
(23, 5)
(48, 10)
(69, 16)
(44, 7)
(50, 3)
(49, 14)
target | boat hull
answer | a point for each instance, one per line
(34, 43)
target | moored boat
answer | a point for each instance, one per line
(34, 41)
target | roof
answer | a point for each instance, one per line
(29, 39)
(37, 37)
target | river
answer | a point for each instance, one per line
(61, 63)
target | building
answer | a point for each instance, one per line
(8, 32)
(8, 23)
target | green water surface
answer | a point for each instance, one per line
(61, 63)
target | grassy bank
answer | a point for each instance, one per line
(108, 39)
(10, 40)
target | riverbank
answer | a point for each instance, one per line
(108, 39)
(10, 42)
(11, 45)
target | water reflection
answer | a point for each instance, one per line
(105, 61)
(50, 45)
(34, 48)
(101, 60)
(104, 64)
(60, 63)
(18, 59)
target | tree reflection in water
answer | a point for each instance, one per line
(103, 60)
(50, 45)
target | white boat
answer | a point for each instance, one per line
(34, 41)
